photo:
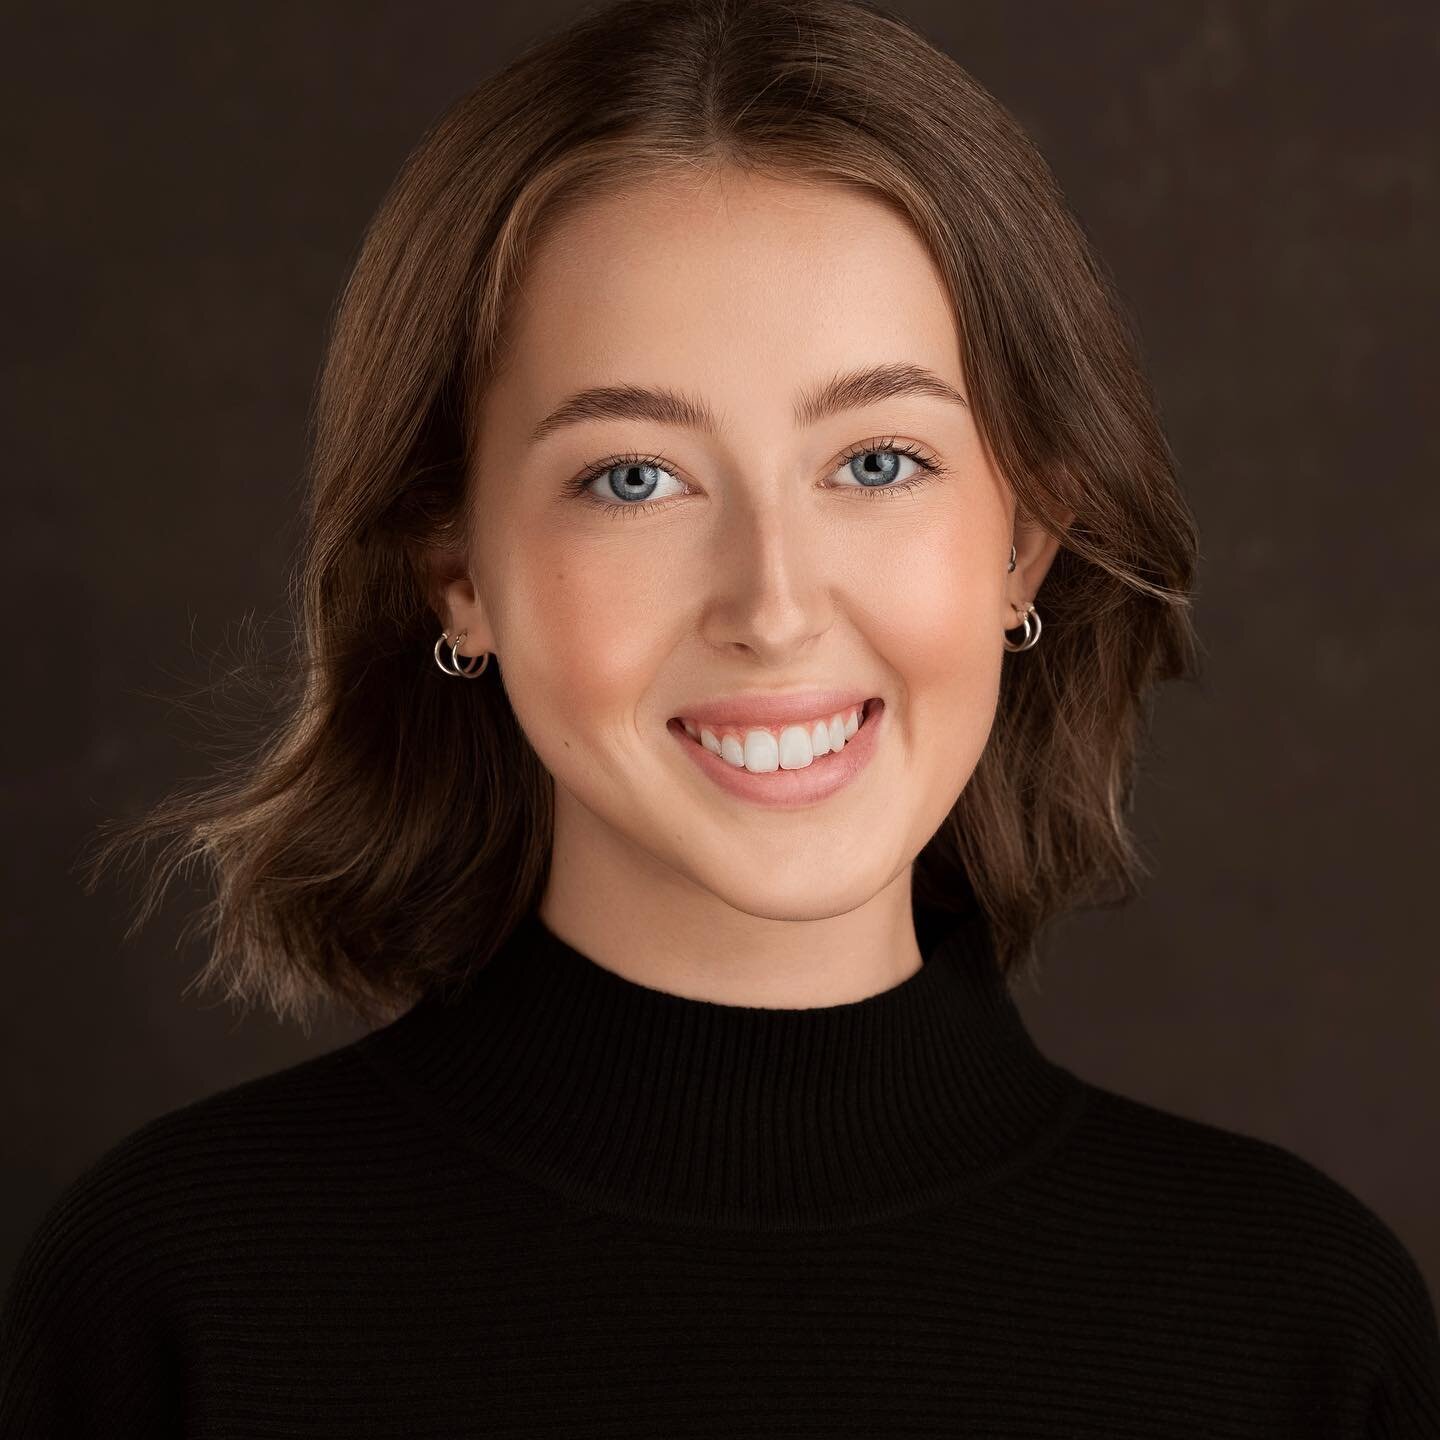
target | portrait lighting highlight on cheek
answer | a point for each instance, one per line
(756, 558)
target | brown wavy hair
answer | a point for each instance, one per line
(390, 826)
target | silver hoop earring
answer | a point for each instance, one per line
(1030, 638)
(454, 667)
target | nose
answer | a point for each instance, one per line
(769, 586)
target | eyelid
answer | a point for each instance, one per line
(931, 468)
(898, 443)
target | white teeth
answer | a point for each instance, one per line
(794, 752)
(761, 751)
(793, 748)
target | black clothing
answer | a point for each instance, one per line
(566, 1204)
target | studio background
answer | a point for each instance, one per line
(187, 191)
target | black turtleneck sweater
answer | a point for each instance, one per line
(567, 1204)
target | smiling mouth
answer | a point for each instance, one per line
(759, 750)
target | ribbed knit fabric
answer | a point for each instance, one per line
(563, 1203)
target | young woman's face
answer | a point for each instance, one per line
(696, 565)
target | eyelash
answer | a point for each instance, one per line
(930, 470)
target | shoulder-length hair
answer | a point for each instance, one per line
(393, 825)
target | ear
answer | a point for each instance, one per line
(1035, 549)
(456, 601)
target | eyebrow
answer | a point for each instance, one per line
(664, 406)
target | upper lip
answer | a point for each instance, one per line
(772, 707)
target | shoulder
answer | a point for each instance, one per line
(1172, 1155)
(167, 1188)
(307, 1111)
(1251, 1191)
(1237, 1210)
(91, 1328)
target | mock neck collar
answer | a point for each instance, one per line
(636, 1101)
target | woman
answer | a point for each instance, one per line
(684, 865)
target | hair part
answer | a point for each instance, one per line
(390, 828)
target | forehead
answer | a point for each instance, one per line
(742, 288)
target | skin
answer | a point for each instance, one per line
(759, 563)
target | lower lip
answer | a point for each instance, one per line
(787, 789)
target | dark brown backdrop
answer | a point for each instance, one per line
(188, 188)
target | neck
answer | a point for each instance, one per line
(636, 1100)
(648, 922)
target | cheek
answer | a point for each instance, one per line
(584, 627)
(935, 606)
(934, 625)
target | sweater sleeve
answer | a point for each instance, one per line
(1405, 1401)
(86, 1348)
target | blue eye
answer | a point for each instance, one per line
(871, 480)
(629, 481)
